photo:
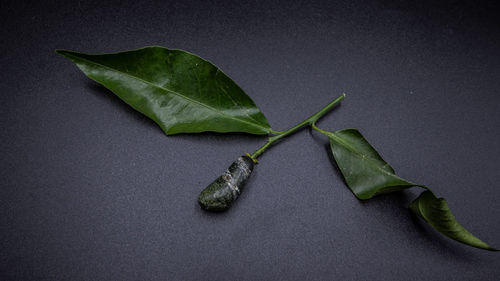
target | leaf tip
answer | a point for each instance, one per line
(62, 52)
(67, 54)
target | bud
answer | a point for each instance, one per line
(221, 193)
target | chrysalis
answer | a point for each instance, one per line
(221, 193)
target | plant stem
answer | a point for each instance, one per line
(309, 121)
(329, 134)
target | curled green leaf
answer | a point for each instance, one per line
(367, 175)
(180, 91)
(435, 211)
(364, 170)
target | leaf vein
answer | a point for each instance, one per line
(175, 93)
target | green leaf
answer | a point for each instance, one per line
(367, 175)
(436, 212)
(364, 171)
(181, 92)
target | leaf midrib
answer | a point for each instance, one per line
(368, 159)
(171, 91)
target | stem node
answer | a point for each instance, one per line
(309, 121)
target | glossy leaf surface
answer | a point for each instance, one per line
(364, 171)
(181, 92)
(436, 212)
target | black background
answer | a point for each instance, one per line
(92, 190)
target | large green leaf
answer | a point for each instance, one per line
(436, 212)
(180, 91)
(364, 171)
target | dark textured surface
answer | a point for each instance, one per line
(91, 190)
(223, 192)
